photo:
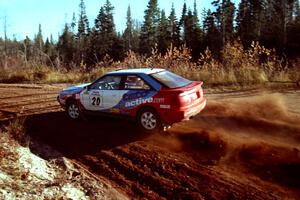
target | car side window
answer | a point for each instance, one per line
(107, 83)
(135, 83)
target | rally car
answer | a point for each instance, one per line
(155, 98)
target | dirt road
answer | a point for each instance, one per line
(245, 145)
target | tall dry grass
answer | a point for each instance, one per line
(237, 66)
(255, 65)
(16, 130)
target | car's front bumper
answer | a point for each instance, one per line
(61, 102)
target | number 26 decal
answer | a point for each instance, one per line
(96, 101)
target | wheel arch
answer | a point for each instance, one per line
(69, 100)
(138, 112)
(160, 123)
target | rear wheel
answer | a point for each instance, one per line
(149, 120)
(73, 110)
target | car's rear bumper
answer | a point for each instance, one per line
(177, 115)
(194, 110)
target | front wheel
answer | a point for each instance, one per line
(73, 110)
(149, 120)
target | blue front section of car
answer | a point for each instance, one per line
(128, 101)
(72, 90)
(68, 92)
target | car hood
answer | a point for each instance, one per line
(73, 89)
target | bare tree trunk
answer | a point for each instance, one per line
(5, 61)
(25, 54)
(285, 21)
(5, 43)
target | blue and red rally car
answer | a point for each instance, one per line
(155, 98)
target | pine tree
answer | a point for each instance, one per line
(250, 20)
(83, 23)
(228, 28)
(296, 9)
(51, 40)
(197, 35)
(47, 47)
(164, 38)
(110, 25)
(82, 34)
(278, 17)
(192, 35)
(104, 36)
(39, 39)
(73, 23)
(174, 28)
(27, 49)
(128, 33)
(117, 52)
(195, 14)
(148, 36)
(212, 39)
(182, 22)
(136, 32)
(243, 22)
(189, 26)
(66, 47)
(225, 17)
(49, 50)
(39, 44)
(100, 21)
(293, 32)
(98, 44)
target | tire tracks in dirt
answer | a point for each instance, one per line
(23, 101)
(205, 158)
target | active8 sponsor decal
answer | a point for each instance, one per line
(135, 98)
(140, 101)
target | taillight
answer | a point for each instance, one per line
(201, 92)
(201, 89)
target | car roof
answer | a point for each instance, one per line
(137, 71)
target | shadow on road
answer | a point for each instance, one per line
(77, 138)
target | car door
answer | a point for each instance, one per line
(92, 99)
(103, 94)
(137, 92)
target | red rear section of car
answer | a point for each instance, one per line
(181, 103)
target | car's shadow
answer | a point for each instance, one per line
(77, 138)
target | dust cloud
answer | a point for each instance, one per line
(257, 136)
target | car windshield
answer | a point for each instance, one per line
(170, 79)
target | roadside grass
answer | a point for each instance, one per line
(11, 136)
(237, 66)
(16, 130)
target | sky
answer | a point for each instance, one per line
(24, 16)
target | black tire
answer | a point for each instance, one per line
(149, 120)
(73, 110)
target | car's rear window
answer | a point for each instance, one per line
(170, 79)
